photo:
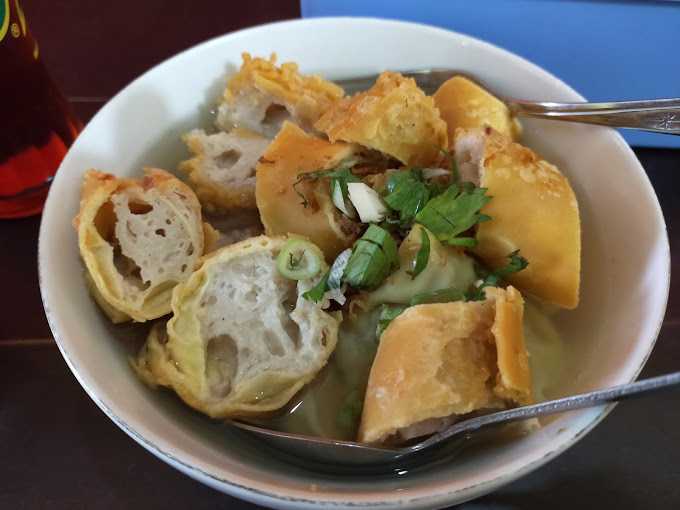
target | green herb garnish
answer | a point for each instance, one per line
(299, 259)
(493, 278)
(453, 166)
(338, 269)
(339, 176)
(317, 292)
(407, 194)
(438, 296)
(454, 212)
(350, 412)
(423, 255)
(387, 314)
(373, 258)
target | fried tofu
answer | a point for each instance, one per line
(262, 95)
(464, 104)
(436, 362)
(394, 117)
(282, 211)
(533, 209)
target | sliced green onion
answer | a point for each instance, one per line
(387, 314)
(423, 255)
(438, 296)
(338, 269)
(299, 260)
(340, 197)
(367, 202)
(317, 292)
(373, 258)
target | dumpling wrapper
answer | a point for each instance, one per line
(447, 267)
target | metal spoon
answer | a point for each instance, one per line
(657, 115)
(349, 453)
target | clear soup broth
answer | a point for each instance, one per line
(330, 407)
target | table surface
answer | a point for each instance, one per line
(67, 454)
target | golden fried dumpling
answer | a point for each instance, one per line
(242, 340)
(394, 117)
(533, 210)
(464, 104)
(282, 211)
(222, 171)
(138, 238)
(439, 361)
(262, 95)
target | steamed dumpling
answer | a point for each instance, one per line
(447, 267)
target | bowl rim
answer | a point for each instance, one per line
(273, 498)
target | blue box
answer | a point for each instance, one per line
(606, 50)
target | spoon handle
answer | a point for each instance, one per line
(583, 400)
(657, 115)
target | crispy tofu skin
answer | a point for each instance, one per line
(442, 360)
(394, 117)
(290, 154)
(533, 209)
(262, 95)
(464, 104)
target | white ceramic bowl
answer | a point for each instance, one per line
(625, 259)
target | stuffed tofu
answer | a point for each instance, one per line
(242, 339)
(222, 171)
(138, 239)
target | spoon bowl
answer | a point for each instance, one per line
(350, 453)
